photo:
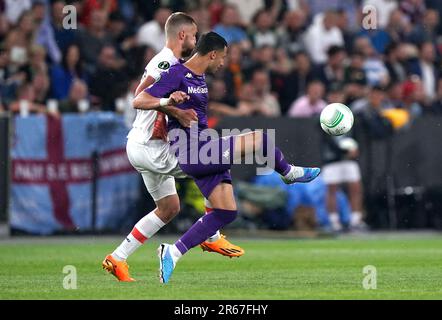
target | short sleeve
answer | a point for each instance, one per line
(155, 71)
(169, 81)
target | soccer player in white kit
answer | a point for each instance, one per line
(148, 151)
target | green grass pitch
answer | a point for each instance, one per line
(408, 267)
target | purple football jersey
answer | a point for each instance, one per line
(206, 175)
(180, 78)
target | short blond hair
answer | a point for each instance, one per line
(175, 21)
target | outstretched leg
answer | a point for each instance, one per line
(259, 142)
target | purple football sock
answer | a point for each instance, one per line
(281, 165)
(204, 228)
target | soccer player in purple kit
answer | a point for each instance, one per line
(186, 88)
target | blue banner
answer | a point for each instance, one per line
(52, 173)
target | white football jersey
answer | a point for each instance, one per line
(143, 125)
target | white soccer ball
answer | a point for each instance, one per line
(336, 119)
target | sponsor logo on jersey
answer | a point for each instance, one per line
(164, 65)
(188, 75)
(197, 90)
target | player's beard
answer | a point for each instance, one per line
(187, 51)
(212, 69)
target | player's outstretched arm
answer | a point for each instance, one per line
(145, 101)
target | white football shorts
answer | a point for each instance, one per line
(157, 165)
(345, 171)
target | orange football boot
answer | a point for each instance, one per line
(223, 246)
(119, 269)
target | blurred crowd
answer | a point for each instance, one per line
(286, 57)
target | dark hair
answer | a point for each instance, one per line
(257, 14)
(378, 87)
(78, 65)
(210, 41)
(334, 50)
(391, 47)
(177, 19)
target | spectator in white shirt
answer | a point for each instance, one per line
(152, 33)
(321, 35)
(15, 8)
(429, 75)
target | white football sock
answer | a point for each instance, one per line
(143, 230)
(176, 254)
(294, 172)
(215, 237)
(298, 171)
(126, 248)
(334, 220)
(356, 218)
(150, 224)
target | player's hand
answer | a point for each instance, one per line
(187, 117)
(178, 97)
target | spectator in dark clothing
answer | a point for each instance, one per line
(437, 105)
(94, 38)
(290, 34)
(343, 25)
(146, 9)
(121, 33)
(393, 63)
(78, 92)
(63, 75)
(220, 102)
(371, 117)
(333, 71)
(426, 30)
(295, 84)
(262, 33)
(414, 10)
(109, 81)
(355, 78)
(426, 69)
(136, 58)
(398, 27)
(437, 6)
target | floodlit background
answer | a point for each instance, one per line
(68, 70)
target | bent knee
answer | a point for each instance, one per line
(167, 212)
